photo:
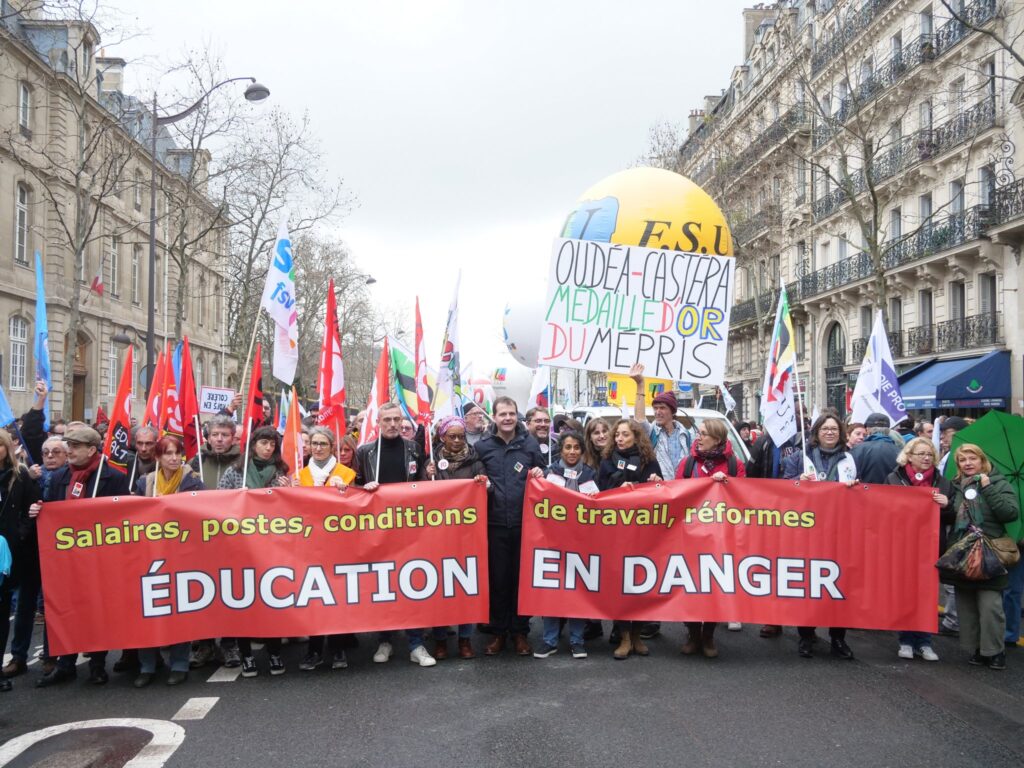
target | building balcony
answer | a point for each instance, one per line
(952, 32)
(1008, 203)
(748, 229)
(974, 332)
(917, 147)
(745, 311)
(848, 270)
(829, 50)
(860, 346)
(936, 236)
(794, 119)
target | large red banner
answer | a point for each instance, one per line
(137, 572)
(760, 551)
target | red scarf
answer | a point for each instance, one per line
(79, 478)
(926, 477)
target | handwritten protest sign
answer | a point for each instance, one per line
(212, 399)
(609, 306)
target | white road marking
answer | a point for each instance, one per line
(167, 737)
(196, 708)
(225, 675)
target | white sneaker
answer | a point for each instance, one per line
(421, 656)
(383, 653)
(734, 626)
(927, 653)
(906, 652)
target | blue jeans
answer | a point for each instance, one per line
(916, 640)
(553, 624)
(465, 631)
(1011, 601)
(179, 657)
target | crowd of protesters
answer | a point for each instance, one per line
(501, 451)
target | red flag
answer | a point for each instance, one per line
(115, 447)
(97, 280)
(332, 372)
(378, 396)
(423, 415)
(254, 407)
(153, 415)
(101, 417)
(189, 404)
(291, 443)
(170, 402)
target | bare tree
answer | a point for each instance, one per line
(277, 168)
(78, 160)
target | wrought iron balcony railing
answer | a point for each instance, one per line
(1008, 203)
(955, 229)
(847, 270)
(972, 332)
(749, 228)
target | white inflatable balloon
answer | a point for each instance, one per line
(522, 325)
(512, 380)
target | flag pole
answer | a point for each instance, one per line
(245, 464)
(376, 471)
(199, 455)
(99, 471)
(800, 411)
(131, 477)
(248, 360)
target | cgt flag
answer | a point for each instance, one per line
(116, 445)
(877, 389)
(778, 413)
(188, 405)
(154, 416)
(254, 406)
(369, 429)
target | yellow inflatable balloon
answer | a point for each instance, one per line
(652, 208)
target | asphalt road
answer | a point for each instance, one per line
(758, 704)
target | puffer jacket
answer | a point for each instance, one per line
(507, 466)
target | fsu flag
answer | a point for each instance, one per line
(378, 396)
(154, 416)
(188, 405)
(332, 372)
(115, 447)
(254, 406)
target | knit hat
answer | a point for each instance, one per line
(666, 398)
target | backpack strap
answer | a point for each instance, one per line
(732, 465)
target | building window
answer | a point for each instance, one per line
(924, 114)
(956, 196)
(202, 302)
(895, 314)
(138, 190)
(25, 109)
(988, 79)
(927, 22)
(841, 247)
(21, 225)
(112, 371)
(115, 265)
(199, 371)
(956, 97)
(987, 182)
(895, 224)
(866, 320)
(136, 259)
(214, 374)
(924, 308)
(924, 209)
(824, 259)
(957, 300)
(800, 340)
(987, 293)
(19, 353)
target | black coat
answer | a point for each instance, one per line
(15, 524)
(611, 475)
(467, 470)
(366, 462)
(876, 458)
(33, 434)
(112, 483)
(947, 514)
(508, 484)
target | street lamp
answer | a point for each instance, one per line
(253, 92)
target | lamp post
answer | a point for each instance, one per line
(253, 92)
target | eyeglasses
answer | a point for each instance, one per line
(53, 451)
(923, 455)
(319, 444)
(828, 429)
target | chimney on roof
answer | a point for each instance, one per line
(112, 71)
(752, 18)
(696, 118)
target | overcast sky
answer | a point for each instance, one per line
(467, 130)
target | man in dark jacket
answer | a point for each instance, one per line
(78, 480)
(393, 459)
(143, 461)
(876, 456)
(510, 454)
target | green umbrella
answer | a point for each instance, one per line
(1001, 436)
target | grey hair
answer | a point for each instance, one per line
(325, 431)
(147, 428)
(221, 421)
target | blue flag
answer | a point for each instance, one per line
(42, 346)
(6, 414)
(177, 362)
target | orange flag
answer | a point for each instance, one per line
(154, 413)
(291, 443)
(115, 447)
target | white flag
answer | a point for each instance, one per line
(448, 392)
(778, 412)
(877, 389)
(727, 398)
(279, 302)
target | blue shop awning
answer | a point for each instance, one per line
(970, 382)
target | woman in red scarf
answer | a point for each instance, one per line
(710, 456)
(917, 467)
